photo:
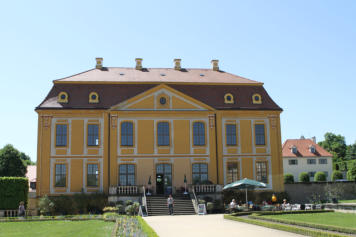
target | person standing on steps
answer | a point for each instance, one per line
(170, 203)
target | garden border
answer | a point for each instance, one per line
(276, 226)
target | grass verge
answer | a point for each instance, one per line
(347, 201)
(146, 228)
(306, 223)
(277, 226)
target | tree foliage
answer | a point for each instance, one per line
(288, 178)
(320, 177)
(335, 144)
(11, 164)
(351, 174)
(336, 175)
(304, 177)
(351, 152)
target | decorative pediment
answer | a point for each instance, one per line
(162, 97)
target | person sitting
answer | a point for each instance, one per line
(232, 205)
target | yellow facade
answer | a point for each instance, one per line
(145, 155)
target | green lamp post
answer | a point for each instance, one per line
(149, 185)
(185, 185)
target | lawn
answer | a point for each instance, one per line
(57, 228)
(347, 201)
(329, 218)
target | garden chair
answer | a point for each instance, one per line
(318, 206)
(288, 207)
(296, 207)
(308, 206)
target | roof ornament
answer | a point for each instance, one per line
(215, 64)
(138, 63)
(99, 63)
(177, 65)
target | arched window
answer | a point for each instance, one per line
(163, 134)
(127, 134)
(256, 99)
(228, 98)
(93, 97)
(199, 134)
(62, 97)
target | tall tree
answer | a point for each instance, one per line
(335, 144)
(11, 163)
(351, 152)
(25, 158)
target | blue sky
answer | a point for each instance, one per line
(304, 52)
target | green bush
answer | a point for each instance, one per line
(110, 209)
(77, 204)
(46, 206)
(288, 178)
(336, 175)
(304, 177)
(120, 208)
(351, 174)
(209, 207)
(13, 190)
(128, 202)
(320, 177)
(111, 216)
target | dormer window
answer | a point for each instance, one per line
(256, 99)
(294, 150)
(228, 98)
(312, 149)
(93, 97)
(63, 97)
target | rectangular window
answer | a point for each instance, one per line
(231, 134)
(311, 174)
(93, 135)
(60, 175)
(232, 172)
(311, 161)
(61, 135)
(163, 134)
(326, 173)
(200, 173)
(127, 134)
(261, 171)
(260, 134)
(323, 161)
(293, 162)
(127, 175)
(92, 175)
(199, 134)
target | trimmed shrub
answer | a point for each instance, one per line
(336, 175)
(46, 206)
(351, 174)
(13, 191)
(110, 209)
(288, 178)
(304, 177)
(320, 177)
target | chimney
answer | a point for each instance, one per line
(99, 63)
(215, 64)
(302, 137)
(138, 63)
(177, 65)
(314, 139)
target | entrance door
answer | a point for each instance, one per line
(166, 171)
(159, 184)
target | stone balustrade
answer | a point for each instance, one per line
(205, 188)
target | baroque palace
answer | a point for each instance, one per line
(127, 127)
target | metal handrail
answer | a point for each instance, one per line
(196, 201)
(144, 199)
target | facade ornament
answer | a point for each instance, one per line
(273, 121)
(46, 121)
(113, 121)
(211, 121)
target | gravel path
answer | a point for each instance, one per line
(208, 225)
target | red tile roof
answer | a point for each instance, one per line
(302, 148)
(31, 174)
(156, 75)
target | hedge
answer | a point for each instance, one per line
(304, 177)
(13, 191)
(306, 224)
(288, 178)
(293, 229)
(320, 177)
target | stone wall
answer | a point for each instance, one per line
(305, 192)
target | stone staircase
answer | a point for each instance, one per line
(157, 205)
